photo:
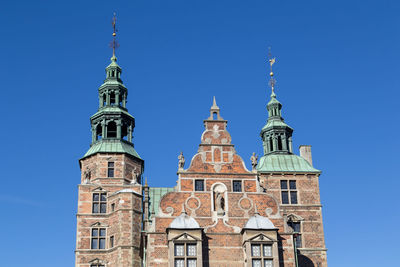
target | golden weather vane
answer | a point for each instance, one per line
(271, 61)
(114, 44)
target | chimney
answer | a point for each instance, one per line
(305, 153)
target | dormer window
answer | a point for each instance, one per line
(185, 255)
(261, 255)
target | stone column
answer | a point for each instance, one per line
(119, 124)
(108, 99)
(274, 142)
(130, 133)
(93, 134)
(290, 145)
(117, 98)
(284, 143)
(124, 100)
(103, 129)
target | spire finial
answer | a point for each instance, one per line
(114, 44)
(183, 209)
(214, 106)
(272, 81)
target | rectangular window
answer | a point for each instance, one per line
(295, 227)
(110, 169)
(261, 255)
(99, 203)
(98, 238)
(199, 185)
(96, 265)
(237, 186)
(111, 241)
(185, 255)
(287, 192)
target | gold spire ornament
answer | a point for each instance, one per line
(114, 44)
(271, 61)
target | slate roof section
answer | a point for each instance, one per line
(285, 163)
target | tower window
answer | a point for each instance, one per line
(215, 116)
(185, 255)
(111, 129)
(98, 240)
(104, 100)
(99, 204)
(111, 241)
(295, 227)
(288, 191)
(237, 186)
(99, 131)
(199, 185)
(112, 99)
(279, 142)
(271, 145)
(261, 255)
(110, 169)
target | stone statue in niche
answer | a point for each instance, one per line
(88, 174)
(135, 176)
(219, 200)
(254, 159)
(181, 162)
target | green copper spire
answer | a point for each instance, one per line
(277, 140)
(112, 125)
(276, 134)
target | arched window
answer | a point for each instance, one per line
(104, 100)
(111, 129)
(99, 132)
(279, 142)
(215, 116)
(271, 145)
(124, 132)
(112, 99)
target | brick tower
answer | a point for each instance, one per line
(109, 218)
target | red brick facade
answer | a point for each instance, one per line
(231, 195)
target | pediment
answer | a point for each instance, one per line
(185, 237)
(261, 238)
(99, 189)
(97, 261)
(99, 224)
(294, 218)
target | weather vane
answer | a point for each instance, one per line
(271, 61)
(114, 44)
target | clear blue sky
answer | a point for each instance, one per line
(338, 79)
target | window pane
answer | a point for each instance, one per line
(199, 185)
(267, 263)
(102, 232)
(292, 184)
(293, 197)
(102, 243)
(179, 250)
(284, 184)
(179, 263)
(298, 241)
(110, 172)
(96, 197)
(94, 243)
(255, 251)
(95, 232)
(103, 207)
(256, 263)
(267, 251)
(237, 186)
(191, 250)
(111, 164)
(95, 207)
(285, 197)
(191, 263)
(103, 197)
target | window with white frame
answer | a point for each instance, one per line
(99, 203)
(98, 238)
(261, 255)
(289, 193)
(185, 255)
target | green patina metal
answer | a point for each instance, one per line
(155, 195)
(277, 142)
(112, 125)
(285, 163)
